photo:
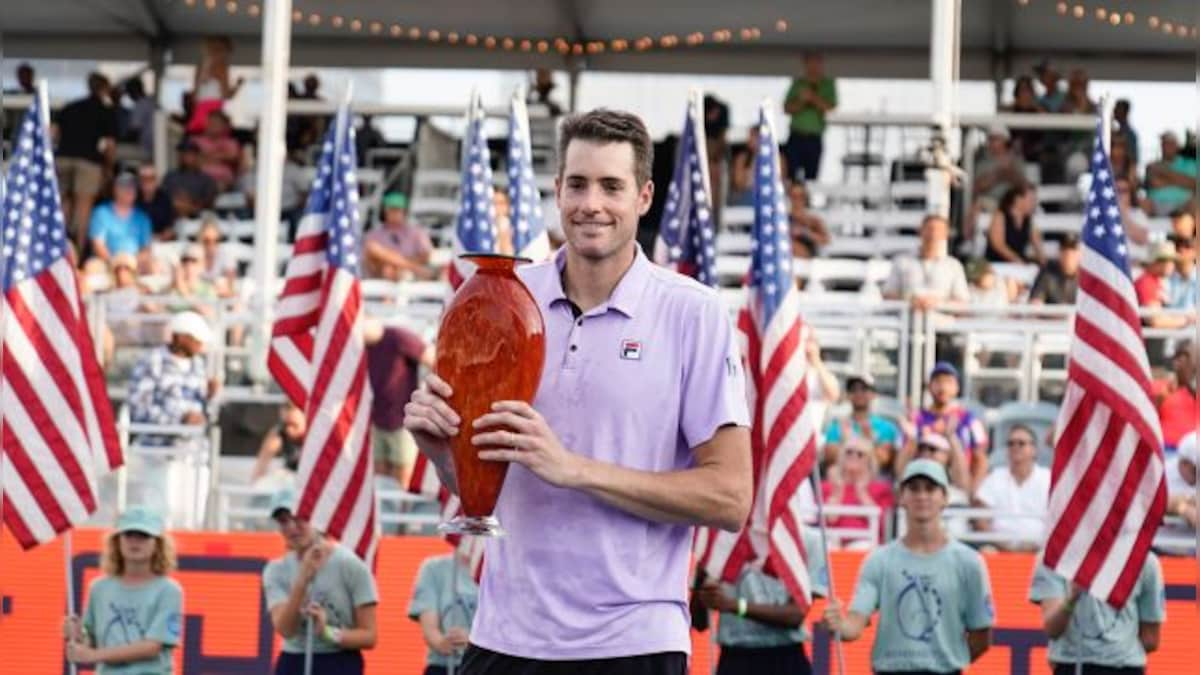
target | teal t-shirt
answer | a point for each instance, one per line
(343, 584)
(926, 603)
(1171, 196)
(883, 430)
(433, 592)
(759, 588)
(118, 613)
(120, 235)
(1103, 635)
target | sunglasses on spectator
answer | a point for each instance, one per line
(1018, 444)
(930, 448)
(210, 240)
(189, 260)
(855, 453)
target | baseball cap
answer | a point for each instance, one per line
(125, 180)
(190, 323)
(126, 260)
(864, 379)
(1187, 449)
(1163, 250)
(999, 131)
(926, 468)
(193, 252)
(395, 200)
(943, 368)
(140, 519)
(284, 499)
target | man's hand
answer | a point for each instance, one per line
(833, 616)
(314, 559)
(72, 628)
(77, 652)
(711, 595)
(923, 303)
(430, 418)
(530, 442)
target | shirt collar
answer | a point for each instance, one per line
(627, 295)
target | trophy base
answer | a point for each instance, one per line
(485, 526)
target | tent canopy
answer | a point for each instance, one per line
(860, 38)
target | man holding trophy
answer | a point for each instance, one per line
(638, 431)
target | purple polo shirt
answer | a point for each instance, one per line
(638, 381)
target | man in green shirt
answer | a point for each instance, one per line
(324, 583)
(807, 101)
(1104, 640)
(932, 593)
(444, 601)
(761, 630)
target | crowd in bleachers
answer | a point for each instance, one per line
(155, 247)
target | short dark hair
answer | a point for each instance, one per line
(1025, 428)
(609, 126)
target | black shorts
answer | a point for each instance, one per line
(785, 660)
(480, 661)
(336, 663)
(915, 672)
(1094, 669)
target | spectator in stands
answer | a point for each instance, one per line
(87, 134)
(539, 94)
(1183, 221)
(285, 440)
(122, 300)
(803, 248)
(504, 228)
(881, 432)
(192, 291)
(1181, 285)
(807, 101)
(139, 125)
(1078, 143)
(120, 226)
(1058, 280)
(801, 221)
(1132, 218)
(323, 582)
(761, 626)
(1019, 492)
(216, 265)
(220, 153)
(1175, 396)
(945, 415)
(1012, 235)
(1181, 481)
(1122, 128)
(398, 249)
(855, 481)
(395, 356)
(312, 88)
(1171, 181)
(1123, 165)
(147, 186)
(26, 83)
(366, 138)
(184, 193)
(169, 385)
(211, 88)
(986, 288)
(902, 579)
(1052, 94)
(932, 278)
(998, 170)
(444, 607)
(133, 620)
(1026, 142)
(1153, 287)
(741, 171)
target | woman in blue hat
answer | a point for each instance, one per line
(133, 617)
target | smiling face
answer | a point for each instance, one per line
(599, 198)
(297, 533)
(137, 547)
(922, 499)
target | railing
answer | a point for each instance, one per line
(241, 507)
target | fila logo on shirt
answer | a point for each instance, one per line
(631, 350)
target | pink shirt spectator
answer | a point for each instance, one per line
(880, 492)
(221, 158)
(410, 241)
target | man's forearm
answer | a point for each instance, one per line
(697, 496)
(134, 651)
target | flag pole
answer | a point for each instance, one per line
(820, 500)
(452, 661)
(67, 555)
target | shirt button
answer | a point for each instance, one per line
(574, 347)
(579, 322)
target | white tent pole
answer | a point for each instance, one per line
(276, 55)
(943, 54)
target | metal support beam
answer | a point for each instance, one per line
(276, 54)
(943, 75)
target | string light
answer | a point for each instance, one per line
(525, 43)
(1116, 17)
(1078, 11)
(1061, 8)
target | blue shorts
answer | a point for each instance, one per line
(335, 663)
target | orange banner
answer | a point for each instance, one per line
(227, 630)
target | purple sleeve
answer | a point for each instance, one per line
(714, 384)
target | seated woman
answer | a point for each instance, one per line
(854, 481)
(283, 441)
(1012, 235)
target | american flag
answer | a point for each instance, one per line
(686, 234)
(318, 355)
(530, 239)
(1107, 491)
(59, 433)
(424, 481)
(784, 433)
(475, 224)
